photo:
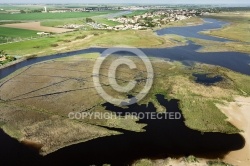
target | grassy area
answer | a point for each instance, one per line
(29, 46)
(61, 22)
(175, 38)
(68, 81)
(15, 32)
(218, 163)
(81, 57)
(187, 161)
(44, 94)
(24, 6)
(73, 41)
(237, 30)
(105, 21)
(9, 22)
(44, 16)
(129, 38)
(241, 82)
(198, 102)
(214, 46)
(187, 22)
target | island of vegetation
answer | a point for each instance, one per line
(36, 99)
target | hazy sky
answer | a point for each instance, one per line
(133, 1)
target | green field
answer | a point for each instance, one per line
(15, 32)
(105, 21)
(137, 12)
(44, 16)
(24, 7)
(61, 22)
(10, 34)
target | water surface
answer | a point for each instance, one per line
(194, 31)
(162, 138)
(205, 79)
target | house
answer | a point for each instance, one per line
(42, 33)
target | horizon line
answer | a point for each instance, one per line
(128, 3)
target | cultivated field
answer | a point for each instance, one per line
(12, 34)
(15, 32)
(37, 27)
(45, 16)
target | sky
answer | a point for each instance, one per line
(133, 1)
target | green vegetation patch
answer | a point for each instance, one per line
(144, 162)
(237, 30)
(61, 22)
(10, 34)
(218, 163)
(44, 16)
(191, 159)
(52, 89)
(1, 124)
(83, 39)
(214, 46)
(105, 21)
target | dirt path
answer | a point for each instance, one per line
(238, 114)
(37, 27)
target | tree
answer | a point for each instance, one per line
(89, 20)
(2, 53)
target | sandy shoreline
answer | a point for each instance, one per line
(238, 113)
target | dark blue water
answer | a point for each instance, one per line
(162, 138)
(235, 61)
(207, 80)
(193, 31)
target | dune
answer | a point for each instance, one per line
(238, 113)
